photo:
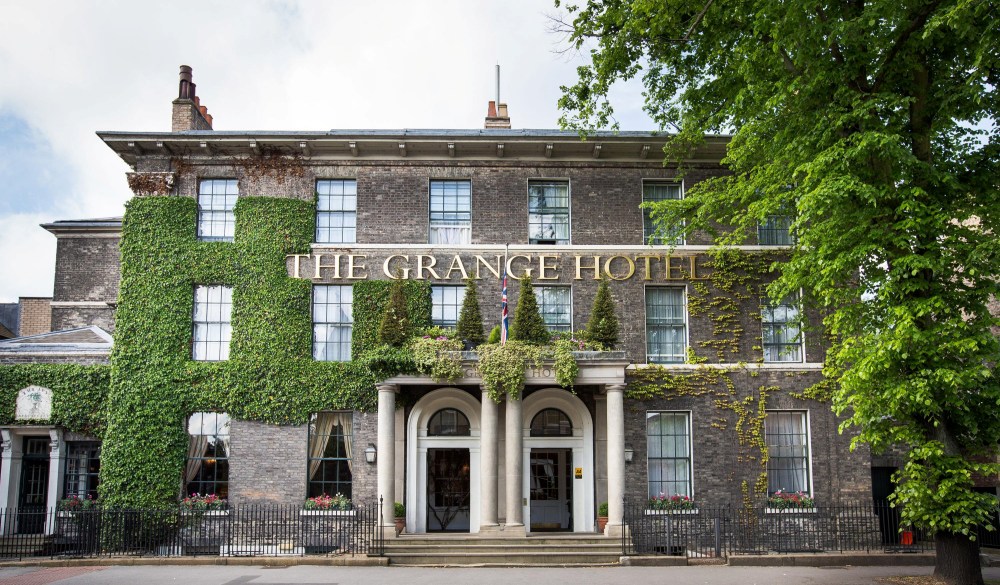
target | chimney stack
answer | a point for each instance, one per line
(188, 113)
(496, 116)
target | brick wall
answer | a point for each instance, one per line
(36, 315)
(268, 464)
(719, 465)
(87, 273)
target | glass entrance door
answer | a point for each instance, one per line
(34, 486)
(551, 490)
(448, 490)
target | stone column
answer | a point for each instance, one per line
(11, 467)
(386, 456)
(57, 467)
(616, 458)
(515, 466)
(488, 439)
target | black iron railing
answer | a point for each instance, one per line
(721, 531)
(239, 531)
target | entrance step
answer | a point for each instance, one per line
(472, 550)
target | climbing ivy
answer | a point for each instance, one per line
(270, 375)
(78, 393)
(736, 280)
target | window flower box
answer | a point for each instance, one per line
(789, 510)
(782, 501)
(345, 513)
(675, 503)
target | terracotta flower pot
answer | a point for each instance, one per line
(400, 525)
(602, 521)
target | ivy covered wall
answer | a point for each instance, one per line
(270, 375)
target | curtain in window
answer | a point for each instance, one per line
(197, 445)
(323, 428)
(788, 458)
(446, 234)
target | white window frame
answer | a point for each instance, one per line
(808, 449)
(647, 233)
(206, 326)
(766, 228)
(215, 458)
(438, 308)
(215, 213)
(690, 449)
(324, 345)
(569, 211)
(796, 299)
(541, 306)
(687, 327)
(448, 231)
(344, 214)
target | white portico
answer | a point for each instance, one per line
(530, 464)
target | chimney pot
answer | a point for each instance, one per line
(491, 111)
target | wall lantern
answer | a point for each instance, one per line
(629, 453)
(370, 453)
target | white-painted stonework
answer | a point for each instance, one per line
(34, 403)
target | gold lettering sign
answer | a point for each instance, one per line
(327, 266)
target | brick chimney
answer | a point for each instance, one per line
(496, 117)
(188, 113)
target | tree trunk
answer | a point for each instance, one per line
(957, 560)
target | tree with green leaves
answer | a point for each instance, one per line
(394, 330)
(603, 325)
(869, 127)
(528, 325)
(470, 320)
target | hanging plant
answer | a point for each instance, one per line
(502, 367)
(438, 357)
(565, 362)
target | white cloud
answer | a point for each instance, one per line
(29, 257)
(73, 68)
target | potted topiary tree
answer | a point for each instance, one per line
(470, 320)
(399, 517)
(394, 330)
(528, 325)
(603, 325)
(602, 516)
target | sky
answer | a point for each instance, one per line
(71, 68)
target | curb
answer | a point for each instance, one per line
(833, 560)
(204, 561)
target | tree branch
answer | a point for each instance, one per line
(697, 21)
(919, 20)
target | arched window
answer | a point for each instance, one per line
(551, 422)
(448, 422)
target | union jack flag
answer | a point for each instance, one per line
(503, 310)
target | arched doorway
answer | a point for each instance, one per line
(442, 463)
(558, 442)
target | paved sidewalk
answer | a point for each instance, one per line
(302, 574)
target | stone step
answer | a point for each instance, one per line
(504, 559)
(508, 548)
(472, 550)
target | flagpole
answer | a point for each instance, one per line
(503, 298)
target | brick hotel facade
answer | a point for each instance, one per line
(439, 206)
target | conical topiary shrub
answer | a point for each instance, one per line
(470, 320)
(603, 325)
(528, 325)
(395, 327)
